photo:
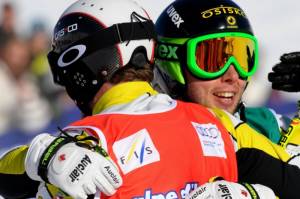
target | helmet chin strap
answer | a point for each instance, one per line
(158, 82)
(84, 105)
(85, 109)
(241, 107)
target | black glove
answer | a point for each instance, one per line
(286, 74)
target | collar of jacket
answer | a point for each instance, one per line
(122, 93)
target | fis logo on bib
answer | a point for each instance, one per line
(135, 151)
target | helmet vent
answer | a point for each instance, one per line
(80, 79)
(104, 73)
(94, 82)
(91, 5)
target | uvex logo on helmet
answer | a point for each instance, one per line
(175, 17)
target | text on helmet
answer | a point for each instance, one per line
(222, 10)
(166, 51)
(65, 30)
(175, 17)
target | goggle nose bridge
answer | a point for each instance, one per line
(233, 61)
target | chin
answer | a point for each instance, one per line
(228, 109)
(231, 111)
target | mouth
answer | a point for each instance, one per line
(225, 95)
(225, 99)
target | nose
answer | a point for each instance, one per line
(231, 75)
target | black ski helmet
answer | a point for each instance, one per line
(185, 19)
(93, 39)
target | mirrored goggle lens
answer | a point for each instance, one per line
(212, 54)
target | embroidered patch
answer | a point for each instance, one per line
(211, 140)
(135, 151)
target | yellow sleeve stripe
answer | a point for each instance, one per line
(224, 118)
(13, 161)
(247, 137)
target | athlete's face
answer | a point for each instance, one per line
(224, 92)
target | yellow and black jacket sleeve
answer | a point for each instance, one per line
(260, 161)
(14, 182)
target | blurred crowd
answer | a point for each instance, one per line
(30, 102)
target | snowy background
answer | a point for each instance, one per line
(275, 23)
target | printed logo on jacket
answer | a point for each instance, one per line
(135, 151)
(211, 140)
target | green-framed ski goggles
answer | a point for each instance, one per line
(211, 55)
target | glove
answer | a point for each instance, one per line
(223, 189)
(286, 74)
(76, 170)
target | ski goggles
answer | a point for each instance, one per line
(211, 55)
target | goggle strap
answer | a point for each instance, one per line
(115, 34)
(168, 51)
